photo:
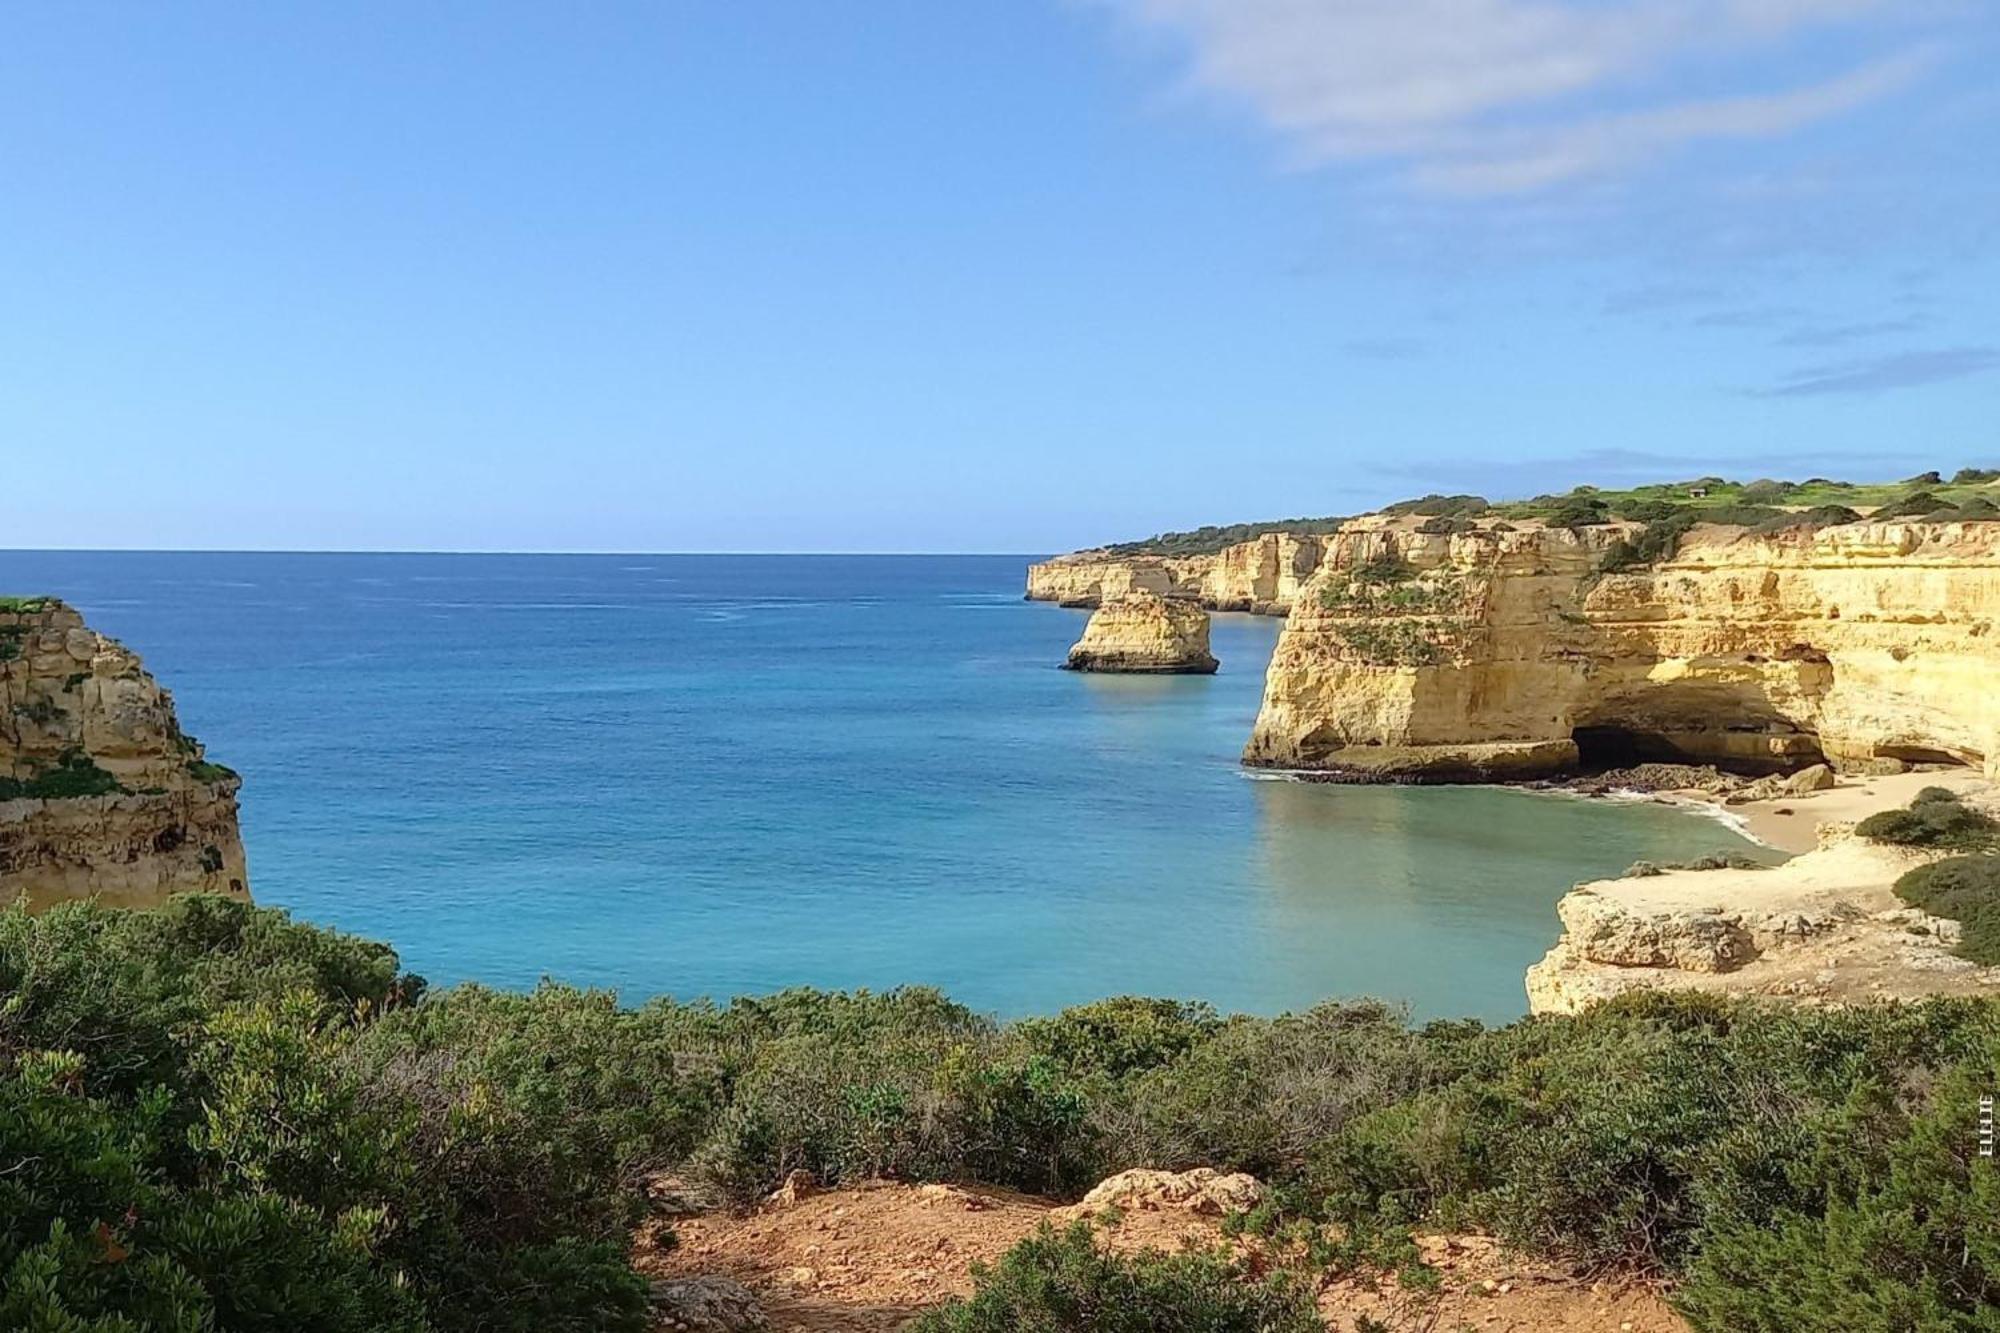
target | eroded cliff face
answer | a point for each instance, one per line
(101, 793)
(1261, 576)
(1501, 652)
(1142, 633)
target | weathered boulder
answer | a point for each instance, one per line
(1204, 1190)
(1147, 634)
(707, 1305)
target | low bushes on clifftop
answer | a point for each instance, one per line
(1936, 818)
(1062, 1280)
(213, 1118)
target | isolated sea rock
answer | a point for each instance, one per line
(1262, 575)
(101, 793)
(1145, 633)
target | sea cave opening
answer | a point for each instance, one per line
(1749, 749)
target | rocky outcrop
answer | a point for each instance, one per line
(1505, 652)
(1143, 633)
(1262, 576)
(101, 793)
(1824, 927)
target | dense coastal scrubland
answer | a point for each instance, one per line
(214, 1118)
(101, 793)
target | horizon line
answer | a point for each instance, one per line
(439, 550)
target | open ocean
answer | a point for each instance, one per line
(728, 774)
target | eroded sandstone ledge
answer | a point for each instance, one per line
(1825, 927)
(1141, 633)
(103, 794)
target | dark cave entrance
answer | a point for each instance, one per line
(1752, 750)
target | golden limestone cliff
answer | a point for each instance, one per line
(101, 793)
(1263, 575)
(1145, 634)
(1504, 652)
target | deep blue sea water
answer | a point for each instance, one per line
(727, 774)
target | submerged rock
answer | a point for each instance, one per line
(1145, 633)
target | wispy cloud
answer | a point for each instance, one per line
(1509, 96)
(1836, 335)
(1901, 370)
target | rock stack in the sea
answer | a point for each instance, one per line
(101, 793)
(1147, 634)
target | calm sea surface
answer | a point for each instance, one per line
(725, 774)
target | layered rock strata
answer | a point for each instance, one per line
(1142, 633)
(1507, 652)
(1262, 576)
(101, 793)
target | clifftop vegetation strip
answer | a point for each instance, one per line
(1970, 494)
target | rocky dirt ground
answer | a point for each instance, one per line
(870, 1259)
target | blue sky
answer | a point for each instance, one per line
(899, 275)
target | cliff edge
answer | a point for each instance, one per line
(1507, 650)
(101, 793)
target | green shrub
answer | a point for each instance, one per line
(213, 1118)
(1213, 538)
(1973, 476)
(1446, 527)
(204, 1139)
(1904, 1246)
(73, 775)
(1965, 889)
(1917, 504)
(1659, 540)
(1440, 506)
(203, 771)
(1061, 1281)
(1936, 818)
(1820, 516)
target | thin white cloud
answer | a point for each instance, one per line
(1495, 96)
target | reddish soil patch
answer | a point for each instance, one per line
(869, 1259)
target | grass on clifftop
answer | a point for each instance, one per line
(24, 606)
(1209, 540)
(214, 1118)
(1969, 494)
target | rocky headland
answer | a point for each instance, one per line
(101, 793)
(1261, 576)
(1146, 634)
(1790, 666)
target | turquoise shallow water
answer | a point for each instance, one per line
(725, 774)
